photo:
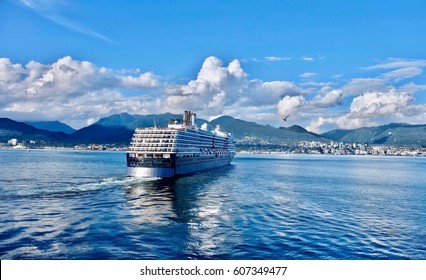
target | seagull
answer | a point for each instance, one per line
(285, 119)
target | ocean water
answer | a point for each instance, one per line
(79, 205)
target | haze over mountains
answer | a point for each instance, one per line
(118, 129)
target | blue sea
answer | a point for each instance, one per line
(80, 205)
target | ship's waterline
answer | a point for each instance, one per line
(182, 168)
(150, 172)
(179, 149)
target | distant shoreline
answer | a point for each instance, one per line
(242, 152)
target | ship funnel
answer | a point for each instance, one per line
(189, 119)
(194, 119)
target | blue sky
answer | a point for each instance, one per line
(327, 64)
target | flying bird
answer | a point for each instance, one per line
(285, 118)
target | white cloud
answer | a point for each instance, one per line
(412, 87)
(67, 89)
(315, 126)
(302, 110)
(215, 87)
(73, 91)
(80, 92)
(276, 58)
(402, 73)
(145, 80)
(394, 63)
(51, 11)
(266, 59)
(290, 105)
(213, 75)
(9, 72)
(308, 75)
(375, 104)
(308, 58)
(72, 77)
(315, 84)
(281, 88)
(359, 86)
(375, 108)
(219, 87)
(330, 99)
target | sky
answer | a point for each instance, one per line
(325, 64)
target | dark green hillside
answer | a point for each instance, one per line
(98, 134)
(24, 133)
(395, 134)
(250, 131)
(54, 126)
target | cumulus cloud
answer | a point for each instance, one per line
(289, 105)
(269, 93)
(213, 76)
(72, 91)
(62, 89)
(315, 126)
(80, 92)
(9, 72)
(329, 99)
(375, 104)
(259, 93)
(219, 87)
(303, 110)
(375, 108)
(359, 86)
(72, 77)
(215, 87)
(145, 80)
(373, 100)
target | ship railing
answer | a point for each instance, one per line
(155, 129)
(147, 149)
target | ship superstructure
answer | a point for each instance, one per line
(181, 148)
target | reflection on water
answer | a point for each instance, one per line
(150, 201)
(194, 203)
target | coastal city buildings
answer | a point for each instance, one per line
(301, 147)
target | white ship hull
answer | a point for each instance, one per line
(160, 172)
(183, 166)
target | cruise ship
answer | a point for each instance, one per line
(179, 149)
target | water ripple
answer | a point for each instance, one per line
(80, 206)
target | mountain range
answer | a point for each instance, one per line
(118, 129)
(25, 132)
(55, 126)
(394, 134)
